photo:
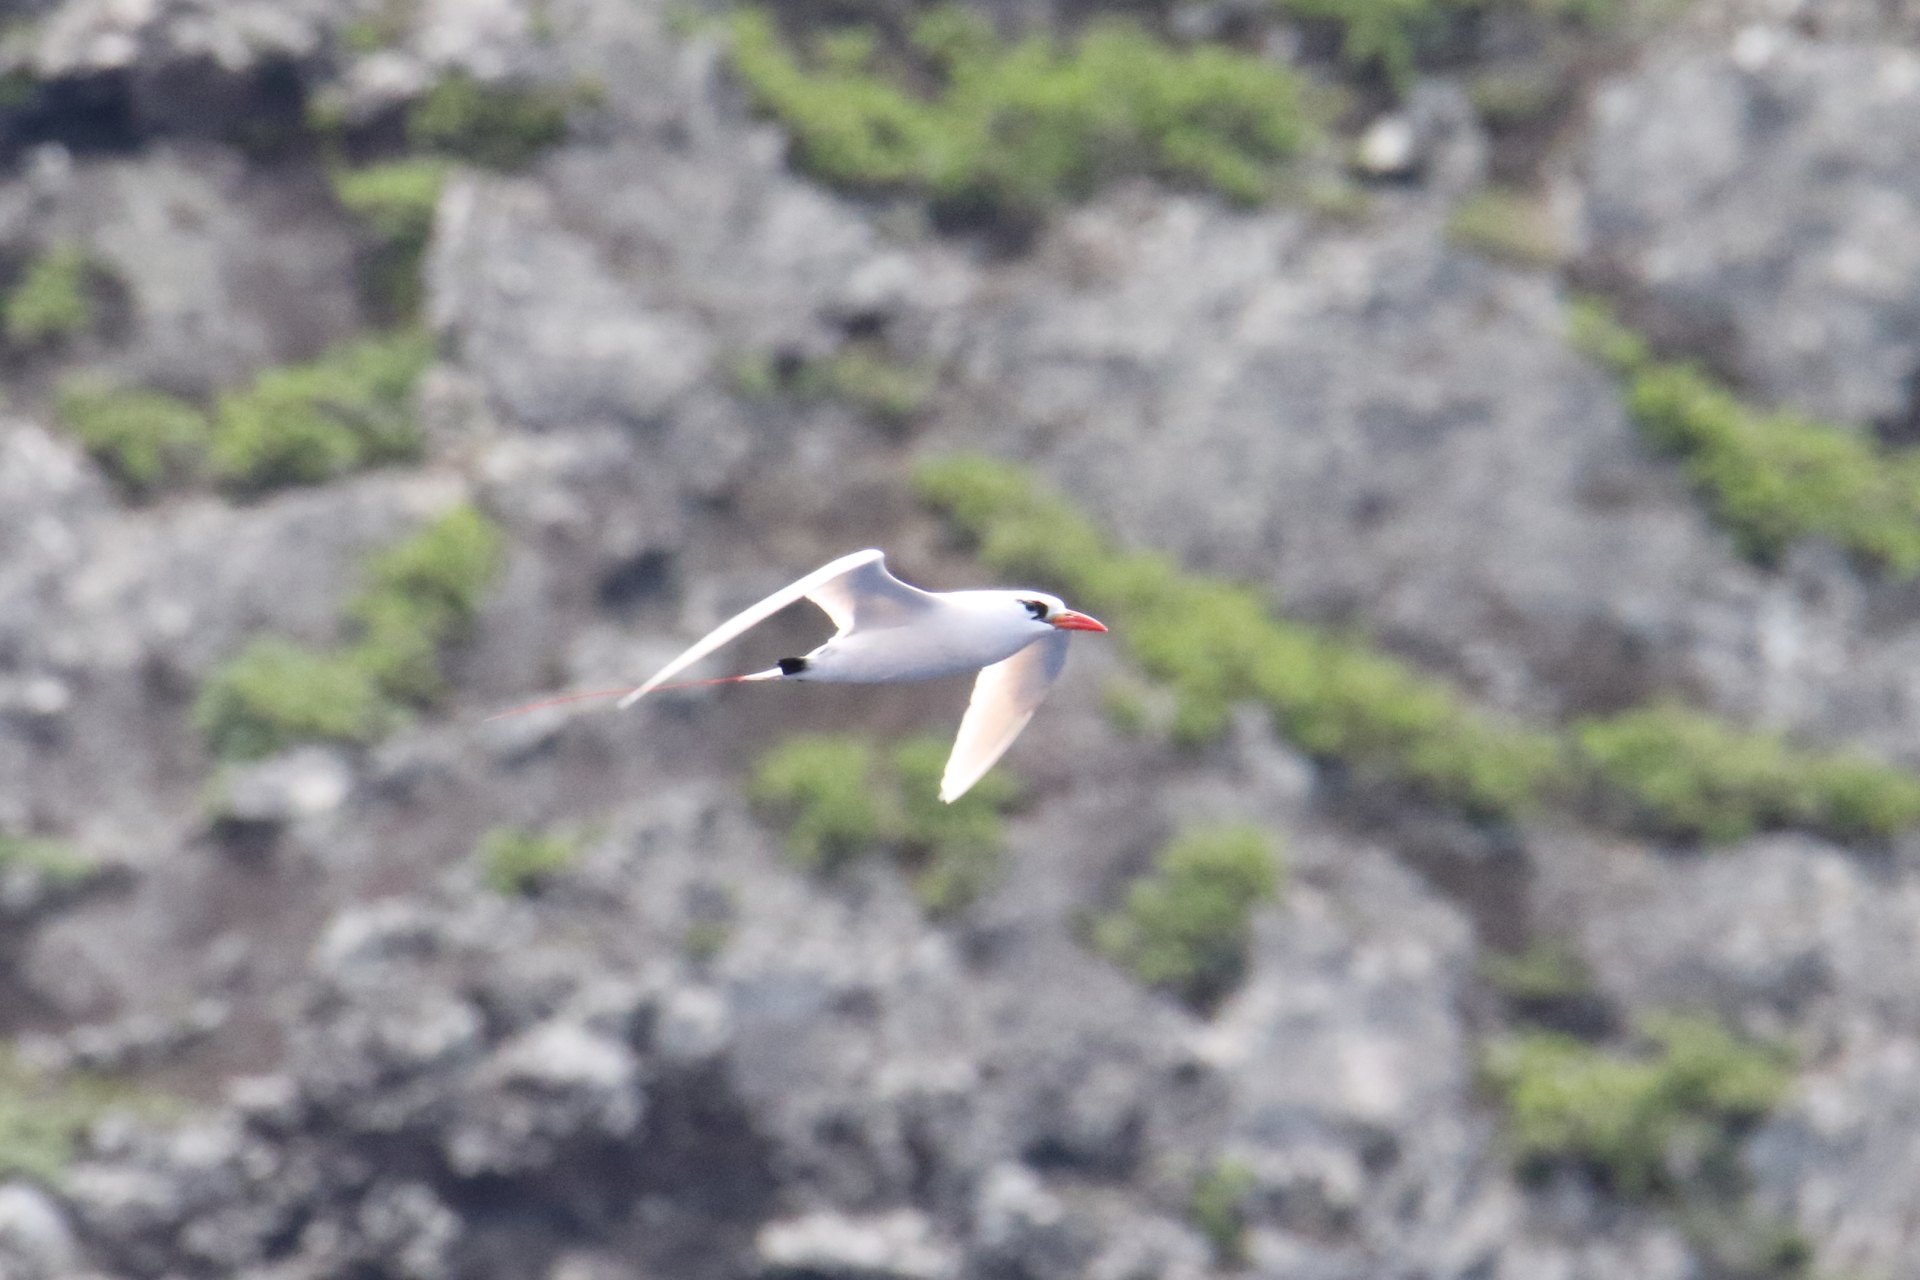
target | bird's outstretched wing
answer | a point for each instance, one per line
(1004, 699)
(856, 591)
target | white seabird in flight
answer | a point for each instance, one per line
(887, 631)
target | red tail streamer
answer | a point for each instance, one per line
(610, 693)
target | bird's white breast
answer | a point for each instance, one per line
(963, 631)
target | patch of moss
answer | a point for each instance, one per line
(395, 201)
(953, 849)
(56, 860)
(305, 424)
(1185, 927)
(870, 379)
(275, 695)
(1218, 1207)
(51, 302)
(423, 593)
(1771, 478)
(516, 862)
(501, 126)
(42, 1116)
(1646, 1121)
(1216, 643)
(1550, 970)
(1376, 33)
(1010, 131)
(824, 788)
(1691, 776)
(1509, 226)
(144, 439)
(840, 798)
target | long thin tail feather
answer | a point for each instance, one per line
(771, 674)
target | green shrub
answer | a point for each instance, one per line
(275, 695)
(1013, 130)
(825, 788)
(1376, 33)
(874, 382)
(304, 424)
(395, 201)
(1507, 225)
(956, 847)
(1218, 1206)
(423, 593)
(839, 798)
(51, 301)
(1185, 927)
(144, 439)
(1690, 775)
(56, 860)
(516, 862)
(500, 126)
(1771, 478)
(1545, 972)
(1695, 1088)
(42, 1116)
(1216, 643)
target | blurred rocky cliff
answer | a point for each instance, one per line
(1545, 375)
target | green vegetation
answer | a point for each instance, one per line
(867, 377)
(1216, 643)
(1376, 33)
(396, 202)
(423, 593)
(43, 1116)
(954, 848)
(824, 785)
(1546, 972)
(56, 860)
(500, 126)
(1683, 773)
(304, 424)
(864, 375)
(1510, 226)
(144, 439)
(275, 695)
(1644, 1122)
(1218, 1207)
(517, 862)
(51, 302)
(1689, 775)
(1771, 478)
(1013, 130)
(1185, 927)
(840, 799)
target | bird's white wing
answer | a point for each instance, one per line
(1004, 698)
(849, 589)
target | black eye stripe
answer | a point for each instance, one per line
(1037, 609)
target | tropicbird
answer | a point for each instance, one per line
(890, 631)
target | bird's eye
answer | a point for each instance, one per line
(1037, 609)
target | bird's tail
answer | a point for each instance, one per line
(634, 695)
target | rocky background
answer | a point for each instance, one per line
(283, 1016)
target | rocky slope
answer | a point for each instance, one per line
(683, 1056)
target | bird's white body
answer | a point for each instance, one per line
(959, 631)
(890, 631)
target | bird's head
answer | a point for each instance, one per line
(1051, 612)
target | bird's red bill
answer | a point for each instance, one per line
(1071, 621)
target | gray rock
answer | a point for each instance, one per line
(303, 783)
(1758, 204)
(35, 1241)
(900, 1245)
